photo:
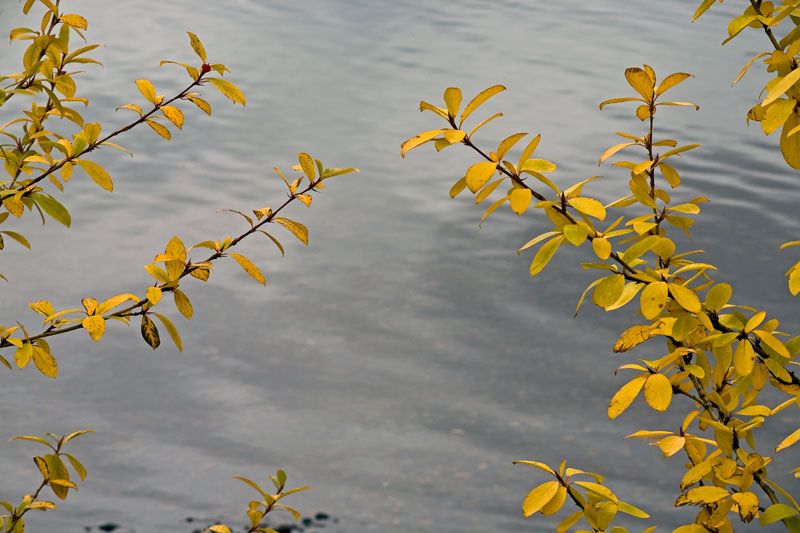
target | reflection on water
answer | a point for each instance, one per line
(400, 362)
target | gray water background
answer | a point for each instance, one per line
(401, 361)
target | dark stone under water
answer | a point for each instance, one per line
(308, 524)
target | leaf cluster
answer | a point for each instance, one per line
(718, 355)
(55, 475)
(268, 502)
(41, 148)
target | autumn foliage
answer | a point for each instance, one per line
(709, 355)
(47, 143)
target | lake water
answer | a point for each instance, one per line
(401, 361)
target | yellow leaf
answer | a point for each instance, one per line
(508, 143)
(569, 521)
(307, 165)
(707, 494)
(748, 505)
(452, 98)
(598, 489)
(773, 342)
(671, 445)
(97, 173)
(539, 497)
(589, 206)
(788, 441)
(479, 99)
(197, 46)
(457, 187)
(520, 200)
(642, 167)
(670, 175)
(781, 87)
(297, 229)
(612, 101)
(653, 299)
(153, 295)
(172, 330)
(59, 476)
(425, 106)
(158, 273)
(625, 396)
(220, 528)
(132, 107)
(454, 136)
(479, 173)
(671, 81)
(536, 464)
(556, 502)
(17, 208)
(115, 301)
(628, 293)
(627, 508)
(718, 296)
(754, 321)
(640, 81)
(182, 303)
(159, 128)
(228, 89)
(528, 150)
(790, 144)
(614, 149)
(545, 254)
(537, 165)
(251, 269)
(485, 192)
(483, 123)
(695, 474)
(576, 233)
(685, 297)
(174, 115)
(744, 358)
(305, 198)
(536, 240)
(202, 104)
(76, 21)
(147, 90)
(23, 355)
(777, 114)
(658, 392)
(95, 325)
(634, 336)
(417, 140)
(601, 247)
(582, 297)
(608, 290)
(42, 505)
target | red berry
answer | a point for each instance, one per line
(206, 68)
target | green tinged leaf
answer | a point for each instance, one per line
(776, 512)
(53, 207)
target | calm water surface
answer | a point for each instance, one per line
(400, 362)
